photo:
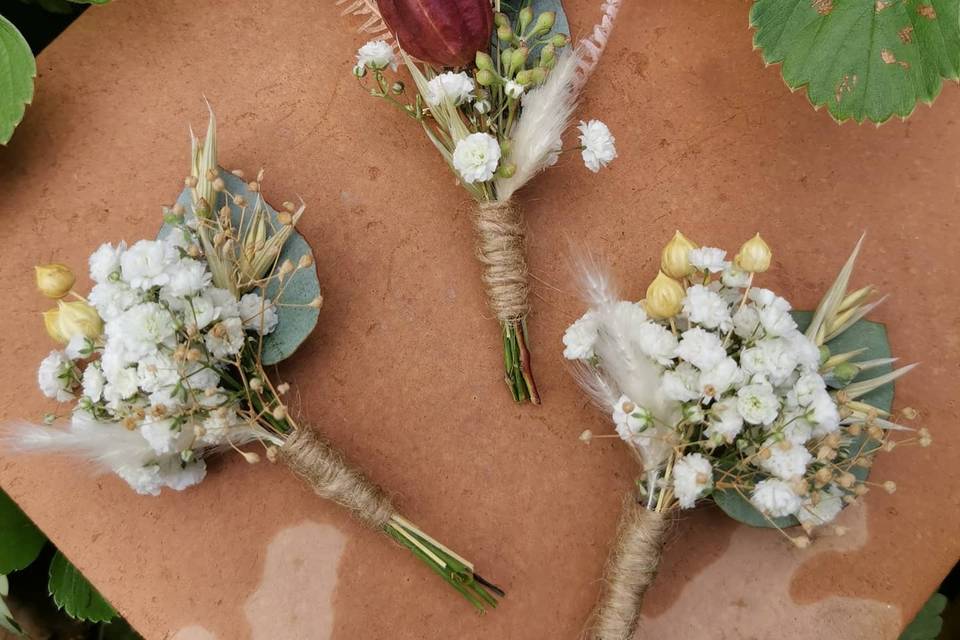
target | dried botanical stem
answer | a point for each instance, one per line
(630, 571)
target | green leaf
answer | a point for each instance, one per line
(871, 335)
(20, 540)
(72, 593)
(861, 58)
(295, 322)
(17, 71)
(928, 624)
(6, 618)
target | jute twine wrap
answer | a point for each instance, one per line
(630, 571)
(324, 469)
(500, 247)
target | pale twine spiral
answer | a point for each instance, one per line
(331, 477)
(500, 247)
(630, 571)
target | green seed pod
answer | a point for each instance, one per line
(505, 33)
(560, 40)
(537, 75)
(519, 58)
(486, 77)
(545, 22)
(548, 56)
(506, 56)
(526, 16)
(501, 20)
(506, 169)
(824, 353)
(525, 77)
(846, 372)
(484, 61)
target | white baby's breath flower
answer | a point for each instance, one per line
(775, 498)
(93, 382)
(78, 347)
(111, 299)
(598, 148)
(656, 341)
(377, 55)
(580, 337)
(217, 426)
(178, 476)
(807, 353)
(256, 312)
(709, 259)
(692, 476)
(746, 322)
(121, 385)
(724, 420)
(144, 479)
(227, 305)
(165, 435)
(707, 308)
(476, 157)
(772, 357)
(631, 420)
(806, 388)
(823, 413)
(457, 87)
(513, 89)
(680, 384)
(703, 349)
(787, 461)
(776, 320)
(54, 376)
(155, 371)
(716, 381)
(141, 329)
(225, 338)
(146, 264)
(187, 278)
(733, 277)
(758, 404)
(105, 261)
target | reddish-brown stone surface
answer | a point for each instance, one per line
(404, 372)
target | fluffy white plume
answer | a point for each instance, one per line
(107, 445)
(596, 286)
(590, 49)
(545, 116)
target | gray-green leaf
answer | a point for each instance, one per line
(74, 594)
(863, 59)
(17, 71)
(20, 540)
(871, 335)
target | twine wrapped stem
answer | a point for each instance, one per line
(630, 571)
(501, 247)
(331, 477)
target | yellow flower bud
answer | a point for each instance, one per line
(664, 297)
(675, 259)
(78, 318)
(754, 256)
(51, 322)
(54, 280)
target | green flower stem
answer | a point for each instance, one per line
(516, 357)
(454, 570)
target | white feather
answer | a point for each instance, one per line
(544, 117)
(590, 49)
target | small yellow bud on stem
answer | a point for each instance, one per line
(754, 256)
(54, 280)
(664, 297)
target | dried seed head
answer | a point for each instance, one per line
(305, 261)
(193, 251)
(889, 445)
(764, 454)
(586, 436)
(282, 388)
(237, 172)
(839, 530)
(317, 302)
(846, 480)
(284, 218)
(256, 384)
(861, 490)
(875, 432)
(826, 453)
(823, 476)
(193, 355)
(178, 209)
(212, 174)
(832, 440)
(218, 185)
(289, 206)
(199, 431)
(909, 413)
(272, 452)
(280, 412)
(240, 201)
(286, 268)
(250, 457)
(801, 542)
(924, 438)
(855, 429)
(253, 186)
(889, 486)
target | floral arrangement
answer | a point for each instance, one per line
(165, 359)
(720, 395)
(496, 87)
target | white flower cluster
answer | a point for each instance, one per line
(741, 379)
(158, 370)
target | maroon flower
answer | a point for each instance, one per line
(445, 33)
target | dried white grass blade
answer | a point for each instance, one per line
(858, 389)
(596, 285)
(856, 317)
(546, 114)
(373, 24)
(835, 295)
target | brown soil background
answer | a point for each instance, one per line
(404, 372)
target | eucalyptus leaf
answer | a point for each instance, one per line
(17, 71)
(74, 594)
(302, 287)
(6, 618)
(863, 59)
(865, 333)
(20, 540)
